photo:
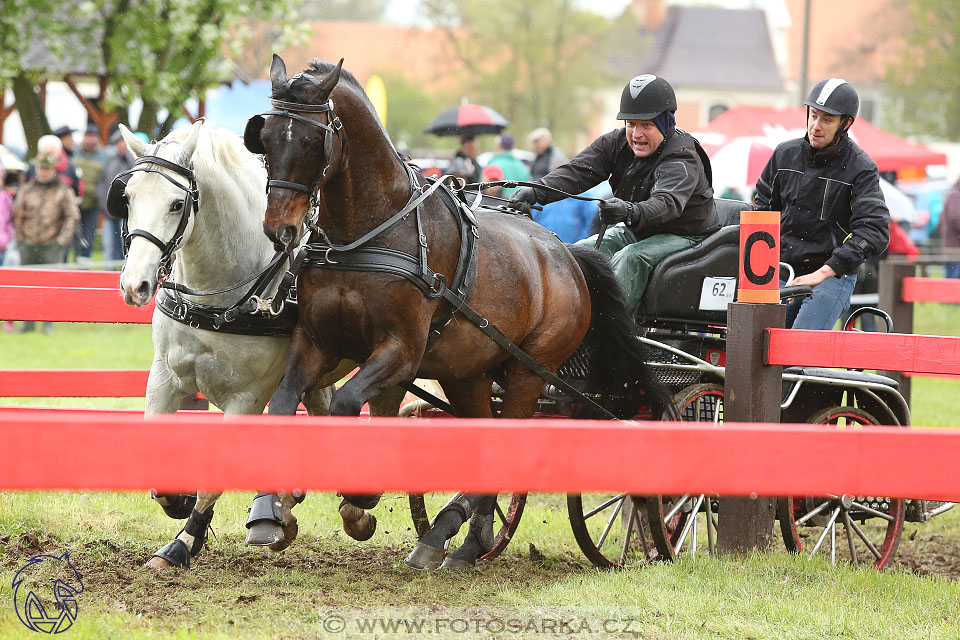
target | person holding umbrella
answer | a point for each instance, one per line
(661, 181)
(468, 153)
(468, 121)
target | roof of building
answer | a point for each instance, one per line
(713, 47)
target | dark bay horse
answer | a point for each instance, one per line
(326, 148)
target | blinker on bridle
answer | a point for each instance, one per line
(190, 205)
(292, 110)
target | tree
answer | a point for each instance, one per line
(538, 62)
(161, 51)
(926, 73)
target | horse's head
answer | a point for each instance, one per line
(303, 141)
(156, 199)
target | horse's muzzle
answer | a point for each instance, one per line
(283, 237)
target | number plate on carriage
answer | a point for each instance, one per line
(716, 293)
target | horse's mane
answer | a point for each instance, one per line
(220, 155)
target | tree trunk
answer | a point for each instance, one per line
(32, 116)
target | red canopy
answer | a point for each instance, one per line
(887, 150)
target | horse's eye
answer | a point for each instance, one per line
(176, 207)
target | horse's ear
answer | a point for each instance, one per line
(329, 82)
(190, 144)
(278, 72)
(137, 146)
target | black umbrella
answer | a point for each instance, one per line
(467, 120)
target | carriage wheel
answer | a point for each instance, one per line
(871, 525)
(506, 516)
(613, 530)
(682, 533)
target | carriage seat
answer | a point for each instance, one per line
(678, 290)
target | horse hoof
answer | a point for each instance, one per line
(424, 558)
(264, 533)
(158, 564)
(176, 505)
(357, 523)
(289, 535)
(454, 563)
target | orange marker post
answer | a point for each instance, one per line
(759, 257)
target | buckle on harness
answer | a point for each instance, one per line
(439, 285)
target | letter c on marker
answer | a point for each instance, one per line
(755, 237)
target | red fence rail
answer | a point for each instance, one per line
(44, 451)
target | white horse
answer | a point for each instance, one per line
(212, 248)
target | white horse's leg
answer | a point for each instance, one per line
(189, 542)
(164, 396)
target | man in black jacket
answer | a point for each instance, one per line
(661, 181)
(833, 214)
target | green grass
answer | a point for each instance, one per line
(237, 592)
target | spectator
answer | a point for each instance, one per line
(548, 156)
(45, 216)
(65, 134)
(116, 163)
(468, 153)
(826, 233)
(512, 166)
(66, 170)
(6, 218)
(89, 160)
(732, 193)
(493, 173)
(950, 227)
(660, 179)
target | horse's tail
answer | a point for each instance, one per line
(618, 369)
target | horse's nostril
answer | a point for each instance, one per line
(144, 290)
(288, 233)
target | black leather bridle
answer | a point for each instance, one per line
(292, 110)
(191, 205)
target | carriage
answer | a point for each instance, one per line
(684, 329)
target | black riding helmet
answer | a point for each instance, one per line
(835, 96)
(645, 97)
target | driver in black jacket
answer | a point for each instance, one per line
(661, 181)
(833, 214)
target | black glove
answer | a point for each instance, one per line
(522, 199)
(615, 210)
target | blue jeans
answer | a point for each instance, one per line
(112, 240)
(953, 269)
(821, 310)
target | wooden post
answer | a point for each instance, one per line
(751, 392)
(892, 274)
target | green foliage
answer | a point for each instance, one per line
(410, 109)
(926, 72)
(538, 62)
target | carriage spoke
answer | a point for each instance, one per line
(872, 511)
(711, 530)
(826, 530)
(626, 538)
(691, 521)
(603, 506)
(503, 518)
(613, 518)
(848, 528)
(643, 535)
(683, 499)
(863, 536)
(813, 512)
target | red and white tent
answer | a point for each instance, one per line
(776, 125)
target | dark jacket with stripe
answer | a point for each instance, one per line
(832, 209)
(672, 186)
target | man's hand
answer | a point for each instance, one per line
(522, 199)
(615, 210)
(815, 278)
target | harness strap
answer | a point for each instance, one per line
(207, 317)
(494, 334)
(423, 394)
